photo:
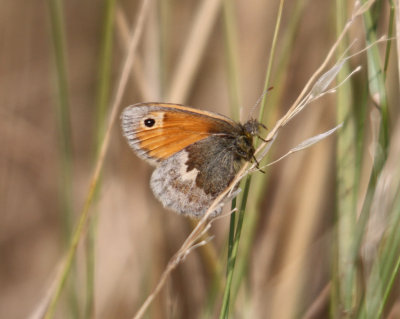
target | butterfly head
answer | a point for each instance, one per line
(244, 142)
(252, 127)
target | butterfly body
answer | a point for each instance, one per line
(196, 153)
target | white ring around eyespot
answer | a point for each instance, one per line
(158, 118)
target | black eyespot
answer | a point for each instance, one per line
(149, 122)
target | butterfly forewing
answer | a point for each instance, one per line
(157, 131)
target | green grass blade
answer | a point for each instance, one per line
(345, 269)
(390, 257)
(58, 38)
(234, 250)
(102, 101)
(390, 35)
(65, 148)
(271, 59)
(375, 288)
(230, 36)
(231, 49)
(104, 75)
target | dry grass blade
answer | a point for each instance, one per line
(42, 306)
(381, 241)
(320, 303)
(357, 12)
(188, 246)
(385, 194)
(397, 6)
(197, 40)
(306, 144)
(51, 298)
(138, 72)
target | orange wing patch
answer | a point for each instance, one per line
(172, 132)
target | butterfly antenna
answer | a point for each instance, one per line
(259, 101)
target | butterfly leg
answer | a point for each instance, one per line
(258, 165)
(264, 140)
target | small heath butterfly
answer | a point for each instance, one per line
(196, 153)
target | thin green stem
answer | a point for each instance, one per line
(344, 288)
(104, 74)
(102, 101)
(388, 260)
(234, 251)
(58, 37)
(390, 35)
(65, 147)
(232, 225)
(271, 59)
(231, 58)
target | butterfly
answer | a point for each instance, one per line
(196, 153)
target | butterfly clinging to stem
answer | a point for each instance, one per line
(196, 153)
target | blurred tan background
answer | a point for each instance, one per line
(134, 237)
